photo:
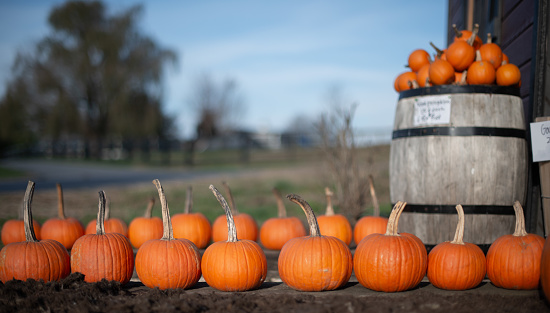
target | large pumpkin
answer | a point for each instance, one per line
(315, 262)
(513, 261)
(192, 225)
(332, 224)
(35, 259)
(168, 263)
(374, 224)
(234, 264)
(64, 229)
(103, 255)
(392, 261)
(112, 224)
(456, 265)
(145, 227)
(276, 231)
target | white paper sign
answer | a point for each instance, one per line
(540, 141)
(432, 110)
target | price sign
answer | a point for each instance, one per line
(432, 110)
(540, 141)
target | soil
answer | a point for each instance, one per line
(72, 294)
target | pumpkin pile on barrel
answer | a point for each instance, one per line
(467, 60)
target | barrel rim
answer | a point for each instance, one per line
(455, 89)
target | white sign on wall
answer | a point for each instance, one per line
(540, 141)
(431, 110)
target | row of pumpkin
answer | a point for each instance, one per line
(388, 262)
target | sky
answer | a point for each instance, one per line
(284, 55)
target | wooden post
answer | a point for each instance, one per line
(544, 173)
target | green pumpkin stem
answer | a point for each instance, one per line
(311, 219)
(188, 201)
(376, 210)
(30, 236)
(149, 211)
(60, 205)
(168, 233)
(393, 220)
(328, 195)
(231, 229)
(459, 234)
(100, 224)
(281, 210)
(520, 220)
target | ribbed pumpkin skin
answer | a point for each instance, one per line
(66, 231)
(456, 266)
(369, 225)
(545, 269)
(108, 256)
(315, 263)
(390, 263)
(193, 226)
(142, 229)
(337, 226)
(45, 259)
(234, 266)
(112, 225)
(246, 227)
(513, 262)
(14, 231)
(180, 259)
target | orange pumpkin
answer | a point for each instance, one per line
(335, 225)
(545, 269)
(14, 230)
(417, 59)
(247, 228)
(513, 261)
(456, 265)
(508, 75)
(491, 52)
(460, 54)
(481, 73)
(112, 224)
(390, 262)
(145, 227)
(64, 229)
(314, 262)
(404, 81)
(103, 255)
(235, 264)
(33, 259)
(168, 263)
(374, 224)
(441, 72)
(276, 231)
(465, 35)
(423, 76)
(193, 226)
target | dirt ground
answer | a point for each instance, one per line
(72, 294)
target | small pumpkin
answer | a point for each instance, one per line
(417, 59)
(393, 261)
(465, 35)
(456, 265)
(332, 224)
(315, 262)
(513, 261)
(234, 264)
(276, 231)
(247, 228)
(103, 255)
(404, 81)
(423, 76)
(481, 73)
(45, 259)
(14, 230)
(441, 72)
(64, 229)
(460, 55)
(192, 225)
(112, 224)
(168, 263)
(145, 227)
(491, 52)
(508, 75)
(374, 224)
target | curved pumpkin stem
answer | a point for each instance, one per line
(437, 50)
(60, 206)
(330, 209)
(311, 220)
(149, 211)
(30, 236)
(376, 210)
(230, 197)
(520, 220)
(472, 38)
(281, 210)
(459, 234)
(231, 229)
(167, 232)
(393, 220)
(100, 224)
(188, 201)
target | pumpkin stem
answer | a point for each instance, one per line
(437, 50)
(413, 84)
(60, 206)
(100, 225)
(149, 210)
(393, 220)
(330, 209)
(30, 236)
(464, 77)
(311, 219)
(478, 56)
(520, 220)
(458, 33)
(376, 209)
(231, 199)
(167, 232)
(231, 229)
(472, 38)
(281, 210)
(188, 200)
(459, 234)
(489, 38)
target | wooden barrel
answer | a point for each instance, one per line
(459, 145)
